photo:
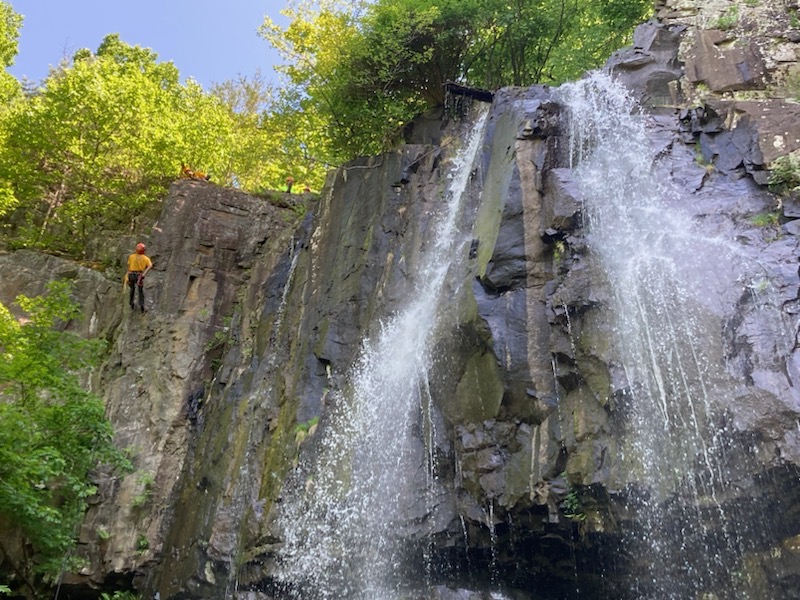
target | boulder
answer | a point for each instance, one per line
(719, 60)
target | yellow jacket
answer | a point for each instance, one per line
(139, 263)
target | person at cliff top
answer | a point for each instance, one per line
(138, 266)
(289, 183)
(188, 173)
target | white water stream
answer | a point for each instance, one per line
(662, 271)
(340, 537)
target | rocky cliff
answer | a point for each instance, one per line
(223, 390)
(207, 245)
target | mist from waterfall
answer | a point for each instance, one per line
(662, 272)
(341, 530)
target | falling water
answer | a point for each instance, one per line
(341, 538)
(661, 270)
(288, 286)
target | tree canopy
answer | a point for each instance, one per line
(10, 23)
(102, 138)
(52, 431)
(369, 67)
(98, 143)
(94, 147)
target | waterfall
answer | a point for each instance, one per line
(373, 464)
(664, 274)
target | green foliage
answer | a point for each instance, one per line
(275, 137)
(767, 219)
(120, 596)
(52, 432)
(759, 285)
(368, 68)
(10, 22)
(794, 20)
(596, 29)
(96, 146)
(319, 43)
(784, 174)
(303, 430)
(559, 250)
(220, 337)
(729, 19)
(8, 201)
(145, 482)
(10, 88)
(573, 507)
(100, 142)
(307, 425)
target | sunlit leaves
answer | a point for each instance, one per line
(52, 432)
(368, 68)
(601, 27)
(102, 139)
(10, 22)
(96, 146)
(7, 199)
(340, 68)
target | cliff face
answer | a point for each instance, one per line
(207, 246)
(256, 317)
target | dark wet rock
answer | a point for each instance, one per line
(650, 67)
(724, 62)
(562, 212)
(768, 128)
(507, 266)
(791, 206)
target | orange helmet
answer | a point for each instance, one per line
(140, 248)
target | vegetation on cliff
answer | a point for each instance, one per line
(53, 433)
(94, 146)
(366, 68)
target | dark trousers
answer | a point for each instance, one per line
(133, 285)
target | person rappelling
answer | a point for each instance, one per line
(138, 266)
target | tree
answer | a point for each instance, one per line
(10, 23)
(316, 46)
(370, 70)
(600, 27)
(10, 89)
(517, 39)
(275, 136)
(101, 140)
(95, 148)
(52, 431)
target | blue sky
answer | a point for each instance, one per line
(209, 40)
